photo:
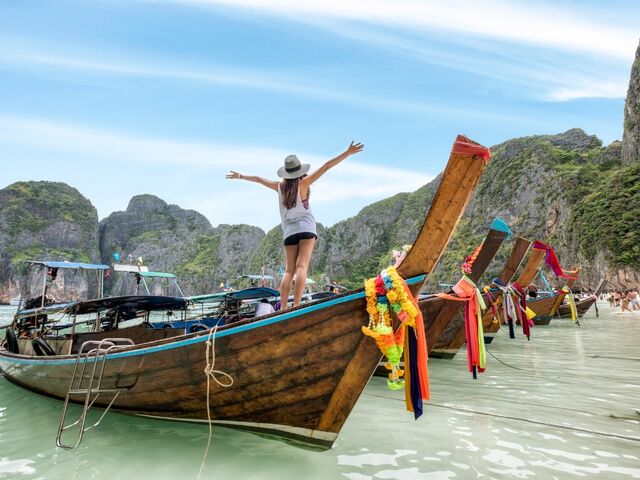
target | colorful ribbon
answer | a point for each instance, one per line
(467, 291)
(515, 308)
(572, 303)
(551, 259)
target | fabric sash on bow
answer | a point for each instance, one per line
(467, 291)
(572, 304)
(514, 305)
(415, 363)
(551, 259)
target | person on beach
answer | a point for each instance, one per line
(617, 295)
(634, 301)
(624, 302)
(297, 221)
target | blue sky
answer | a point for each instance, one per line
(124, 97)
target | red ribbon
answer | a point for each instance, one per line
(551, 259)
(464, 292)
(521, 309)
(465, 146)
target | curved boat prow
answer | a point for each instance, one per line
(467, 161)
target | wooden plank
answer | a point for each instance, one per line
(519, 250)
(458, 182)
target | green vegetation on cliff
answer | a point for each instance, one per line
(606, 216)
(45, 220)
(33, 206)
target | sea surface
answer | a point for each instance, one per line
(565, 405)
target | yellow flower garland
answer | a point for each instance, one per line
(389, 284)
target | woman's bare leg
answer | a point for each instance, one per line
(291, 253)
(305, 249)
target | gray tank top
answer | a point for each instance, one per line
(297, 219)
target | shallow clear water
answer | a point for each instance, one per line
(565, 405)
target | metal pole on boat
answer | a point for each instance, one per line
(44, 287)
(178, 287)
(145, 286)
(73, 331)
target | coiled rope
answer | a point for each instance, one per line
(210, 372)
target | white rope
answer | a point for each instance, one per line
(210, 373)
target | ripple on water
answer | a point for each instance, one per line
(374, 459)
(414, 474)
(16, 467)
(602, 453)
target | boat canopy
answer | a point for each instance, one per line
(119, 267)
(147, 303)
(156, 274)
(252, 293)
(72, 265)
(49, 309)
(257, 277)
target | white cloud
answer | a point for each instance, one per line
(544, 75)
(342, 192)
(106, 144)
(536, 24)
(285, 82)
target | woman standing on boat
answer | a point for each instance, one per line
(297, 221)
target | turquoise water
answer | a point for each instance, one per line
(565, 405)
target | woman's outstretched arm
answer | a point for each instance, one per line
(351, 150)
(272, 184)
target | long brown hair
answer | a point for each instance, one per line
(290, 192)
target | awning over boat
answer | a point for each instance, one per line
(252, 293)
(156, 274)
(146, 303)
(72, 265)
(118, 267)
(50, 309)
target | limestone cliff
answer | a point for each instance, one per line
(45, 220)
(171, 239)
(631, 136)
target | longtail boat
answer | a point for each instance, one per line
(518, 252)
(527, 274)
(294, 374)
(583, 305)
(493, 300)
(444, 321)
(546, 306)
